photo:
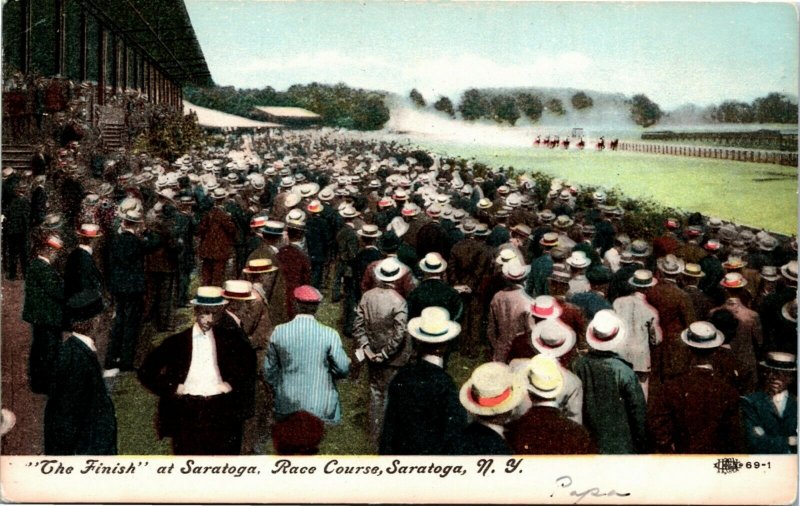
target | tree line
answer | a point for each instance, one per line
(509, 107)
(339, 105)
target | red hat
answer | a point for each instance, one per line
(307, 293)
(298, 434)
(54, 242)
(258, 221)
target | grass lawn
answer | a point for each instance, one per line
(755, 194)
(136, 406)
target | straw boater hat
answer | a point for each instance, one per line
(703, 335)
(90, 230)
(219, 193)
(7, 420)
(712, 245)
(544, 377)
(326, 194)
(236, 289)
(546, 216)
(734, 262)
(549, 239)
(410, 209)
(770, 273)
(433, 263)
(693, 270)
(296, 219)
(766, 242)
(259, 221)
(273, 227)
(133, 216)
(606, 331)
(291, 200)
(780, 361)
(563, 221)
(553, 338)
(579, 260)
(433, 326)
(468, 226)
(369, 230)
(545, 307)
(389, 269)
(210, 296)
(733, 280)
(259, 266)
(484, 203)
(506, 255)
(315, 206)
(307, 294)
(515, 271)
(789, 310)
(670, 264)
(521, 229)
(481, 230)
(492, 389)
(640, 248)
(348, 211)
(642, 278)
(789, 270)
(52, 221)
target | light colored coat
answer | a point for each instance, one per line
(643, 330)
(304, 358)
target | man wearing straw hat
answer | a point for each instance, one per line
(423, 412)
(204, 379)
(217, 234)
(509, 311)
(81, 272)
(43, 309)
(770, 415)
(379, 331)
(544, 429)
(491, 395)
(614, 406)
(697, 411)
(749, 339)
(304, 360)
(433, 290)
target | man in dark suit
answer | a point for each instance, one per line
(43, 309)
(217, 233)
(127, 286)
(16, 230)
(491, 394)
(770, 416)
(294, 264)
(433, 291)
(318, 240)
(81, 272)
(544, 429)
(697, 411)
(79, 418)
(423, 412)
(204, 377)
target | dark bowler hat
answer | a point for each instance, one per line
(84, 305)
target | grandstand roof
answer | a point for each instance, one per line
(162, 30)
(288, 112)
(211, 118)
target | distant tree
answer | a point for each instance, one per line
(644, 111)
(530, 105)
(505, 109)
(444, 104)
(555, 106)
(417, 98)
(732, 111)
(774, 108)
(474, 105)
(581, 100)
(370, 112)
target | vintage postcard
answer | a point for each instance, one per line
(260, 251)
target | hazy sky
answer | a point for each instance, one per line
(673, 52)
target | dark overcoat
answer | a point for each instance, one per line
(79, 418)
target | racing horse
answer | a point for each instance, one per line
(538, 140)
(601, 144)
(613, 145)
(581, 144)
(565, 143)
(553, 142)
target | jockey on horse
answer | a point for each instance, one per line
(601, 144)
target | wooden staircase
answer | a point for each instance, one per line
(17, 156)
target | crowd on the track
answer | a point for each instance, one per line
(591, 337)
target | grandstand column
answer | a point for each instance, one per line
(25, 64)
(101, 66)
(124, 67)
(60, 27)
(82, 55)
